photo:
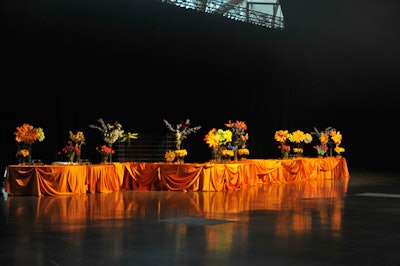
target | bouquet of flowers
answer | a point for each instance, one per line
(25, 136)
(105, 152)
(298, 137)
(111, 132)
(282, 136)
(218, 137)
(181, 131)
(239, 135)
(329, 137)
(69, 151)
(218, 140)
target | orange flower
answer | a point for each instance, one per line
(281, 135)
(26, 134)
(105, 149)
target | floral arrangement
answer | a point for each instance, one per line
(111, 132)
(328, 138)
(181, 131)
(218, 140)
(297, 137)
(239, 135)
(69, 151)
(25, 136)
(106, 153)
(218, 137)
(282, 137)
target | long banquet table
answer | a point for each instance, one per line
(40, 180)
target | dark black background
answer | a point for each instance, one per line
(67, 63)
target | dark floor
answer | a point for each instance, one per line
(325, 222)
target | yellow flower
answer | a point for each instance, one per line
(227, 153)
(339, 150)
(215, 138)
(336, 137)
(23, 153)
(169, 156)
(181, 153)
(281, 135)
(307, 138)
(243, 151)
(298, 150)
(78, 138)
(297, 136)
(324, 138)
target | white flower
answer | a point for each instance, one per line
(111, 132)
(181, 131)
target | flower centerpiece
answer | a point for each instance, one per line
(111, 133)
(330, 139)
(297, 137)
(181, 132)
(78, 140)
(69, 151)
(25, 136)
(239, 136)
(106, 153)
(282, 137)
(217, 139)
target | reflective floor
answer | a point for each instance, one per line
(352, 221)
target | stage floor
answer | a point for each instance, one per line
(327, 222)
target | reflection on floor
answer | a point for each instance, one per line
(314, 222)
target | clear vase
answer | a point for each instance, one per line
(71, 157)
(217, 154)
(105, 158)
(284, 154)
(180, 159)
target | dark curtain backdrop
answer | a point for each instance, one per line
(67, 63)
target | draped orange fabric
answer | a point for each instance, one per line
(46, 180)
(77, 179)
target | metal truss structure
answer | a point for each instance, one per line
(240, 10)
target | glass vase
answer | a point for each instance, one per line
(70, 157)
(216, 154)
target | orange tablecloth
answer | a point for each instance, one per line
(46, 180)
(75, 179)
